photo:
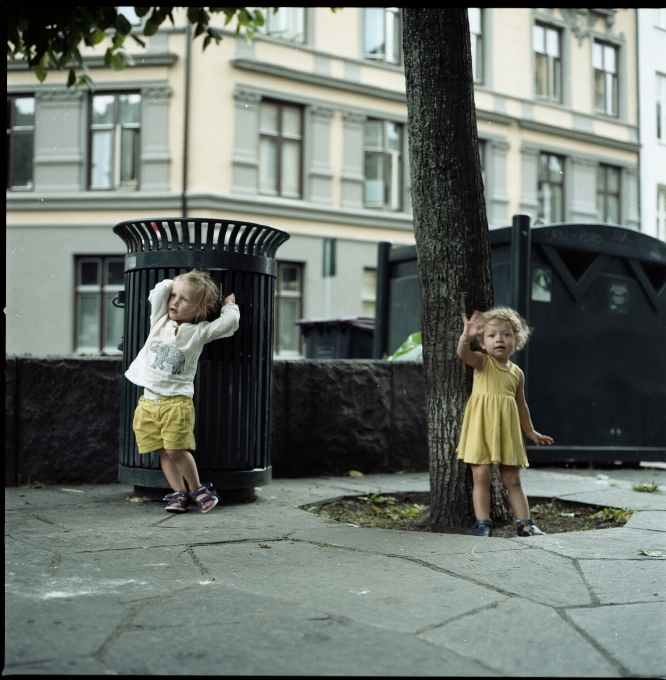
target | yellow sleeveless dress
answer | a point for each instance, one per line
(491, 427)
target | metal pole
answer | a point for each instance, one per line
(382, 300)
(186, 116)
(521, 283)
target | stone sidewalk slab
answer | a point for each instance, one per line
(106, 586)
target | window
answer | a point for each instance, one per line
(482, 160)
(383, 164)
(382, 35)
(369, 292)
(99, 325)
(661, 213)
(288, 308)
(551, 188)
(130, 14)
(20, 141)
(547, 63)
(604, 62)
(661, 107)
(476, 39)
(608, 194)
(114, 141)
(287, 23)
(280, 149)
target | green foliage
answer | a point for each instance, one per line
(49, 38)
(614, 514)
(645, 488)
(376, 498)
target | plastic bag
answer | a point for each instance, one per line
(410, 350)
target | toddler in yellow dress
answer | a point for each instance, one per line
(495, 413)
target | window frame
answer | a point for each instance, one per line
(477, 46)
(270, 16)
(387, 154)
(552, 68)
(280, 295)
(14, 131)
(280, 140)
(660, 101)
(366, 296)
(101, 290)
(383, 60)
(541, 182)
(660, 221)
(615, 77)
(117, 127)
(605, 192)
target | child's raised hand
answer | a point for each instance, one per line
(473, 326)
(230, 299)
(540, 439)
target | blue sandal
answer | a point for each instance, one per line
(483, 527)
(177, 501)
(211, 495)
(526, 527)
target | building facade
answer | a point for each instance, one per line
(652, 101)
(303, 129)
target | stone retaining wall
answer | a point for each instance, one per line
(63, 418)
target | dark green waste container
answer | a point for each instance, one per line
(232, 387)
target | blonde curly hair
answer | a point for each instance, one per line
(206, 292)
(519, 325)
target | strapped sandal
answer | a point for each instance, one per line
(483, 527)
(211, 495)
(526, 527)
(177, 501)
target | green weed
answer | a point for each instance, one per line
(645, 488)
(614, 514)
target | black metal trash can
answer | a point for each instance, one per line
(232, 387)
(348, 337)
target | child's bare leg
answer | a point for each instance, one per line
(171, 472)
(187, 468)
(483, 477)
(517, 499)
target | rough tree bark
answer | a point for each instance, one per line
(452, 242)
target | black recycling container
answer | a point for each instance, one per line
(232, 387)
(349, 337)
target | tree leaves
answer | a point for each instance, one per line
(50, 38)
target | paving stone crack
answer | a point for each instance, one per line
(623, 670)
(471, 612)
(583, 578)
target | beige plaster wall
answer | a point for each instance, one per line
(339, 32)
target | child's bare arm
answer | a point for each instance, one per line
(525, 418)
(473, 327)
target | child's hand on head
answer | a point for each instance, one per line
(230, 299)
(474, 326)
(540, 439)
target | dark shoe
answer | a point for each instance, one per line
(526, 527)
(483, 527)
(177, 501)
(211, 495)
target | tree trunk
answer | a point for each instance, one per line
(452, 242)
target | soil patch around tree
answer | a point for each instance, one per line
(410, 511)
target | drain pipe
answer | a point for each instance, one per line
(186, 121)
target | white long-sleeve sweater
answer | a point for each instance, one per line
(167, 363)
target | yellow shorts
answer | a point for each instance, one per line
(164, 423)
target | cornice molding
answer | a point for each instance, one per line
(58, 96)
(242, 94)
(161, 202)
(318, 79)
